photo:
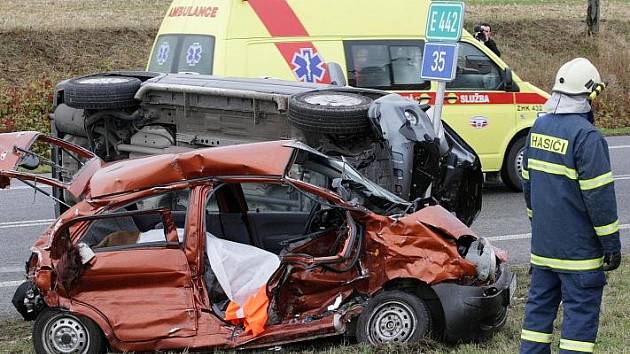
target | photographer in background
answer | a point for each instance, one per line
(483, 33)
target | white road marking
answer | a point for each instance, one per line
(511, 237)
(621, 177)
(529, 235)
(619, 147)
(26, 223)
(8, 284)
(11, 269)
(24, 187)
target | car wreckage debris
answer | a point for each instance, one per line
(179, 238)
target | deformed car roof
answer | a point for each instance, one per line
(265, 158)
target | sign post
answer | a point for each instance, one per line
(439, 59)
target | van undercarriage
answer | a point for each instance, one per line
(389, 139)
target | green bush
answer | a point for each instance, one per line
(26, 108)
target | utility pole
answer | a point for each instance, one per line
(592, 17)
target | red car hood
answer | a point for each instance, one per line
(15, 147)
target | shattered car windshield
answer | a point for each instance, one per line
(349, 173)
(320, 170)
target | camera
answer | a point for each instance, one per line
(479, 33)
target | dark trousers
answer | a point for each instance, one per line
(581, 296)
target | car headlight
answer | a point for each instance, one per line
(411, 116)
(481, 253)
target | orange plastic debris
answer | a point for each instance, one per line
(254, 313)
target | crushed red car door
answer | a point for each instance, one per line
(149, 277)
(22, 151)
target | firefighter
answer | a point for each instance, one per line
(570, 197)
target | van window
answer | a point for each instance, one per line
(175, 53)
(475, 71)
(387, 65)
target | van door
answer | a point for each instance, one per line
(478, 108)
(183, 53)
(302, 61)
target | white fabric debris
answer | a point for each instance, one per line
(157, 235)
(240, 269)
(336, 304)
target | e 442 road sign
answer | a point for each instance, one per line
(445, 21)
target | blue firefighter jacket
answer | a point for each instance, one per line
(570, 194)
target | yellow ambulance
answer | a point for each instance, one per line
(378, 44)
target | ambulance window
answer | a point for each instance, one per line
(196, 54)
(163, 54)
(389, 65)
(174, 53)
(475, 71)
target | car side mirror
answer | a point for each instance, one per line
(336, 74)
(29, 162)
(509, 82)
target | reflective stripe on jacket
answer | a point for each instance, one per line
(570, 194)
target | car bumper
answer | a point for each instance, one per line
(473, 313)
(26, 300)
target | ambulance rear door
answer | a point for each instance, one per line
(190, 37)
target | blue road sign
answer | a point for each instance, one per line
(439, 61)
(445, 21)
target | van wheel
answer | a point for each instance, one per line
(330, 112)
(513, 166)
(393, 317)
(101, 92)
(57, 332)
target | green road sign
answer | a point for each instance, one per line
(445, 21)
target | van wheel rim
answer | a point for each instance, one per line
(66, 335)
(333, 100)
(103, 80)
(392, 321)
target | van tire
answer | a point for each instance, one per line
(513, 164)
(101, 92)
(330, 112)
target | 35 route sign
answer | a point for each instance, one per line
(445, 21)
(439, 61)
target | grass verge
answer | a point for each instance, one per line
(613, 338)
(615, 131)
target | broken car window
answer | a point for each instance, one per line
(322, 171)
(145, 228)
(270, 197)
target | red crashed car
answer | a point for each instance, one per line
(246, 246)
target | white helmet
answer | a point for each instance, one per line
(576, 77)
